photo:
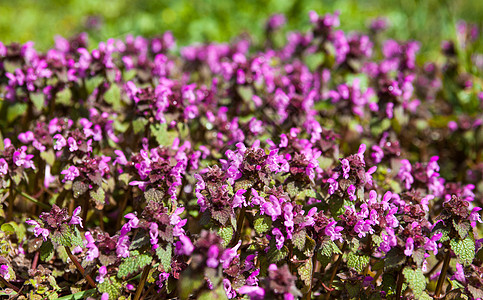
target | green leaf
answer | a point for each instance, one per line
(464, 249)
(79, 295)
(357, 262)
(79, 188)
(133, 264)
(138, 125)
(415, 279)
(38, 99)
(64, 97)
(154, 195)
(113, 96)
(112, 286)
(140, 239)
(226, 233)
(329, 248)
(262, 224)
(298, 239)
(48, 156)
(309, 246)
(9, 228)
(395, 258)
(67, 236)
(46, 251)
(462, 228)
(164, 256)
(353, 289)
(16, 110)
(245, 92)
(98, 195)
(305, 272)
(274, 255)
(389, 283)
(162, 135)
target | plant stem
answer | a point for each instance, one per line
(308, 296)
(442, 276)
(5, 282)
(33, 200)
(239, 225)
(334, 271)
(80, 268)
(400, 282)
(140, 288)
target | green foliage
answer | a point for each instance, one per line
(134, 263)
(112, 286)
(67, 236)
(46, 251)
(226, 233)
(357, 262)
(416, 280)
(464, 249)
(305, 272)
(262, 224)
(164, 255)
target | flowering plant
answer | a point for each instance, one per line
(323, 168)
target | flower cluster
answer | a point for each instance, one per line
(333, 166)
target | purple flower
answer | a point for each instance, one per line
(254, 292)
(239, 199)
(102, 274)
(279, 239)
(4, 272)
(253, 279)
(405, 173)
(212, 255)
(409, 247)
(70, 174)
(184, 246)
(333, 231)
(475, 216)
(333, 185)
(75, 219)
(38, 230)
(105, 296)
(122, 246)
(92, 250)
(459, 274)
(345, 168)
(60, 142)
(22, 159)
(132, 223)
(230, 292)
(153, 234)
(271, 208)
(3, 167)
(228, 255)
(72, 144)
(177, 222)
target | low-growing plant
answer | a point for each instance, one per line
(335, 166)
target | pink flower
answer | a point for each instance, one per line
(184, 246)
(409, 247)
(75, 217)
(70, 174)
(102, 274)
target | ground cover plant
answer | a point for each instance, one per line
(329, 166)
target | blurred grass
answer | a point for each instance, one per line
(209, 20)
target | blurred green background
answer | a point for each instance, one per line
(213, 20)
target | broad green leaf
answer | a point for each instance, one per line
(298, 239)
(275, 255)
(357, 262)
(112, 286)
(329, 248)
(46, 251)
(38, 100)
(305, 272)
(395, 258)
(415, 279)
(164, 256)
(464, 249)
(262, 224)
(98, 195)
(64, 97)
(139, 124)
(163, 136)
(133, 264)
(226, 233)
(154, 195)
(113, 96)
